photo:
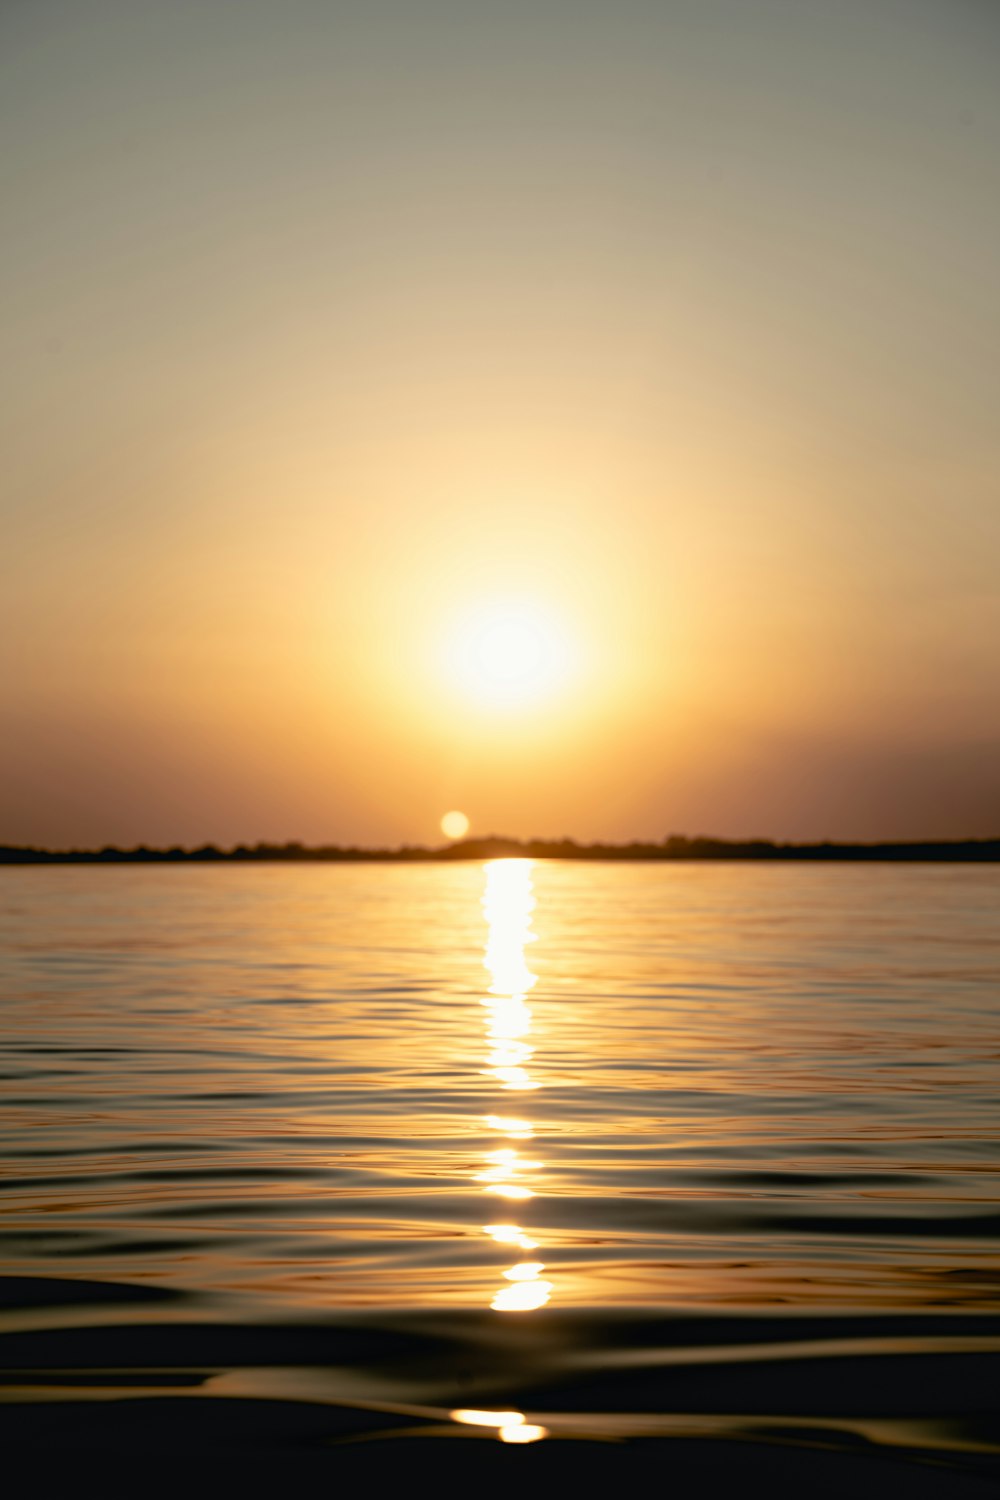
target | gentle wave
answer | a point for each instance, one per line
(628, 1149)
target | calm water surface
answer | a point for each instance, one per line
(604, 1144)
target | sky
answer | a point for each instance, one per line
(581, 416)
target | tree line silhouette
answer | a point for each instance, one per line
(674, 847)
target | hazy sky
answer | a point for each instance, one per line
(673, 324)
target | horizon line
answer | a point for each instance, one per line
(492, 846)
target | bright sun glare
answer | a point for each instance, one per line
(510, 654)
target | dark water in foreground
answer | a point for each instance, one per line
(704, 1160)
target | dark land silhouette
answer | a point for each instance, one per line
(675, 847)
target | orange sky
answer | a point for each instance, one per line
(331, 327)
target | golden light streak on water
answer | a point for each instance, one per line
(515, 1129)
(523, 1432)
(528, 1270)
(511, 1426)
(471, 1417)
(523, 1296)
(508, 903)
(510, 1234)
(513, 1078)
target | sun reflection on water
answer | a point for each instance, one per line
(508, 903)
(511, 1426)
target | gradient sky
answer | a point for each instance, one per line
(328, 324)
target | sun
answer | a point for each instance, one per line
(508, 654)
(454, 825)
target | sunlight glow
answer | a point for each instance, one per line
(509, 654)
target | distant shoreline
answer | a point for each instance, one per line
(676, 847)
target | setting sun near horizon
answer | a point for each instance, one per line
(454, 825)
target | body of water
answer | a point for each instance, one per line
(582, 1156)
